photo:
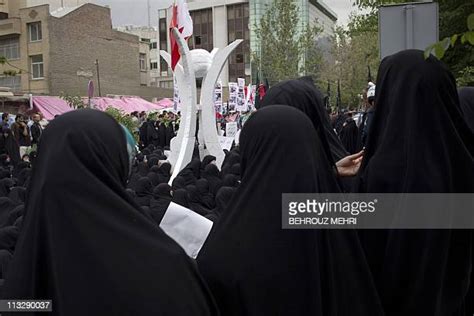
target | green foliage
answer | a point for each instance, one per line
(10, 73)
(466, 77)
(124, 119)
(440, 48)
(74, 101)
(354, 50)
(285, 52)
(456, 47)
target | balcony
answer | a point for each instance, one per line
(10, 26)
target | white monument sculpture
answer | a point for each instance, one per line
(197, 63)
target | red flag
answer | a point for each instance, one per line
(261, 91)
(181, 20)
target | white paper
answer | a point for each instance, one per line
(187, 228)
(231, 129)
(226, 142)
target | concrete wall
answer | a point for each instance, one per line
(78, 40)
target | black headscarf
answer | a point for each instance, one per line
(19, 167)
(5, 173)
(162, 135)
(304, 96)
(232, 158)
(212, 175)
(230, 180)
(350, 136)
(154, 178)
(144, 192)
(5, 186)
(223, 197)
(252, 265)
(5, 258)
(6, 206)
(165, 172)
(207, 160)
(180, 197)
(419, 143)
(191, 172)
(92, 240)
(160, 201)
(8, 238)
(235, 170)
(23, 176)
(206, 196)
(178, 183)
(143, 169)
(15, 214)
(195, 201)
(3, 161)
(466, 99)
(152, 161)
(12, 148)
(17, 194)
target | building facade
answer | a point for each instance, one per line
(148, 48)
(218, 23)
(58, 51)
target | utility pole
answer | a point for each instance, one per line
(98, 76)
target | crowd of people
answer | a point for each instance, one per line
(81, 227)
(156, 129)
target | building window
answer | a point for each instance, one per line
(153, 45)
(37, 67)
(10, 48)
(163, 34)
(202, 30)
(34, 29)
(238, 28)
(13, 82)
(3, 16)
(143, 62)
(153, 66)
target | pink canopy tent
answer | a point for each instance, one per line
(165, 103)
(126, 104)
(50, 106)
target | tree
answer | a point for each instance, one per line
(285, 51)
(457, 35)
(354, 50)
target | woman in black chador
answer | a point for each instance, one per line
(85, 244)
(252, 265)
(418, 143)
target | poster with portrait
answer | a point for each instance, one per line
(218, 97)
(241, 104)
(233, 92)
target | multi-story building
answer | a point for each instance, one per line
(56, 51)
(219, 22)
(148, 45)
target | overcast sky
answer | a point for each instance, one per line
(135, 11)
